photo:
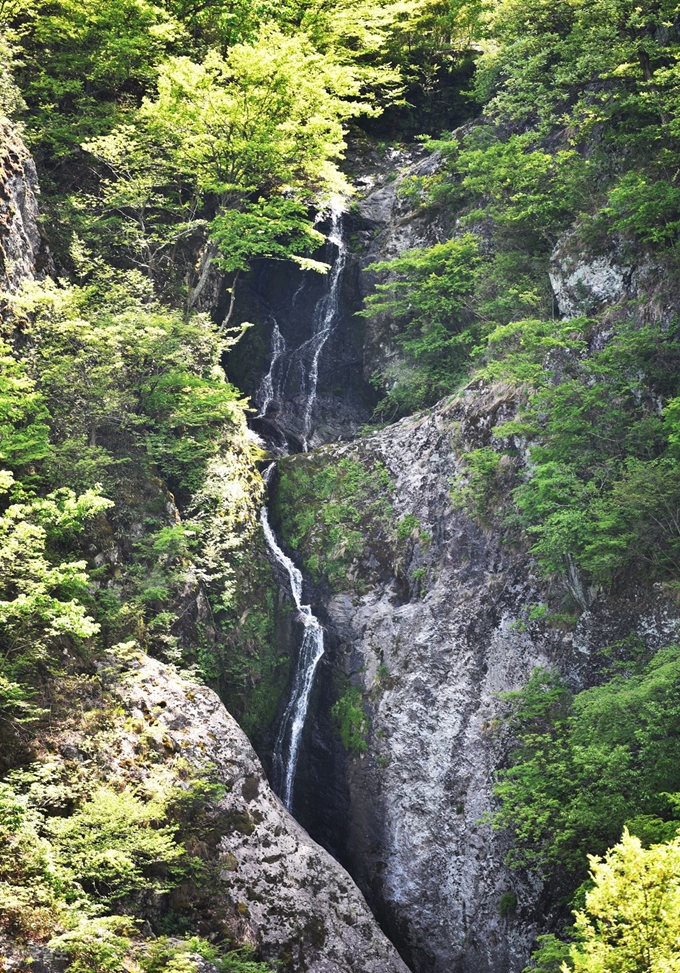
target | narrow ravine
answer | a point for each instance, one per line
(288, 735)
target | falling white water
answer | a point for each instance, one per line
(287, 743)
(325, 316)
(267, 390)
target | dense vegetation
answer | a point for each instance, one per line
(175, 139)
(578, 134)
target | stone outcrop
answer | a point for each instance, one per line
(286, 893)
(23, 253)
(388, 223)
(431, 648)
(272, 886)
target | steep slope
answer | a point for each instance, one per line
(431, 632)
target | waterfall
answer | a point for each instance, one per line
(288, 737)
(325, 317)
(268, 389)
(293, 373)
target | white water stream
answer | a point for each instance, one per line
(267, 390)
(287, 743)
(289, 734)
(325, 318)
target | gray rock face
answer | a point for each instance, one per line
(584, 282)
(431, 663)
(289, 896)
(23, 254)
(272, 886)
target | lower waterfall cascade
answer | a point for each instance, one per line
(289, 734)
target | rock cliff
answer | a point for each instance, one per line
(431, 642)
(23, 253)
(433, 634)
(285, 893)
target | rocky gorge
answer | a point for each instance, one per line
(434, 634)
(339, 507)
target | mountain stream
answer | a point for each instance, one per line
(288, 736)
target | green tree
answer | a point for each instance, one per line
(585, 766)
(631, 921)
(80, 65)
(429, 293)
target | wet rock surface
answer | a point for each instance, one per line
(287, 311)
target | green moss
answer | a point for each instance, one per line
(507, 905)
(338, 516)
(351, 720)
(242, 659)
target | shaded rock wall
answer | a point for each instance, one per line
(276, 293)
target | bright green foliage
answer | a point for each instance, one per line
(548, 58)
(277, 229)
(23, 427)
(631, 920)
(135, 378)
(549, 956)
(648, 208)
(80, 63)
(268, 114)
(609, 66)
(165, 956)
(73, 850)
(524, 189)
(40, 609)
(96, 945)
(429, 295)
(478, 490)
(132, 392)
(84, 66)
(29, 901)
(586, 765)
(602, 489)
(328, 511)
(115, 847)
(193, 111)
(348, 713)
(10, 96)
(259, 130)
